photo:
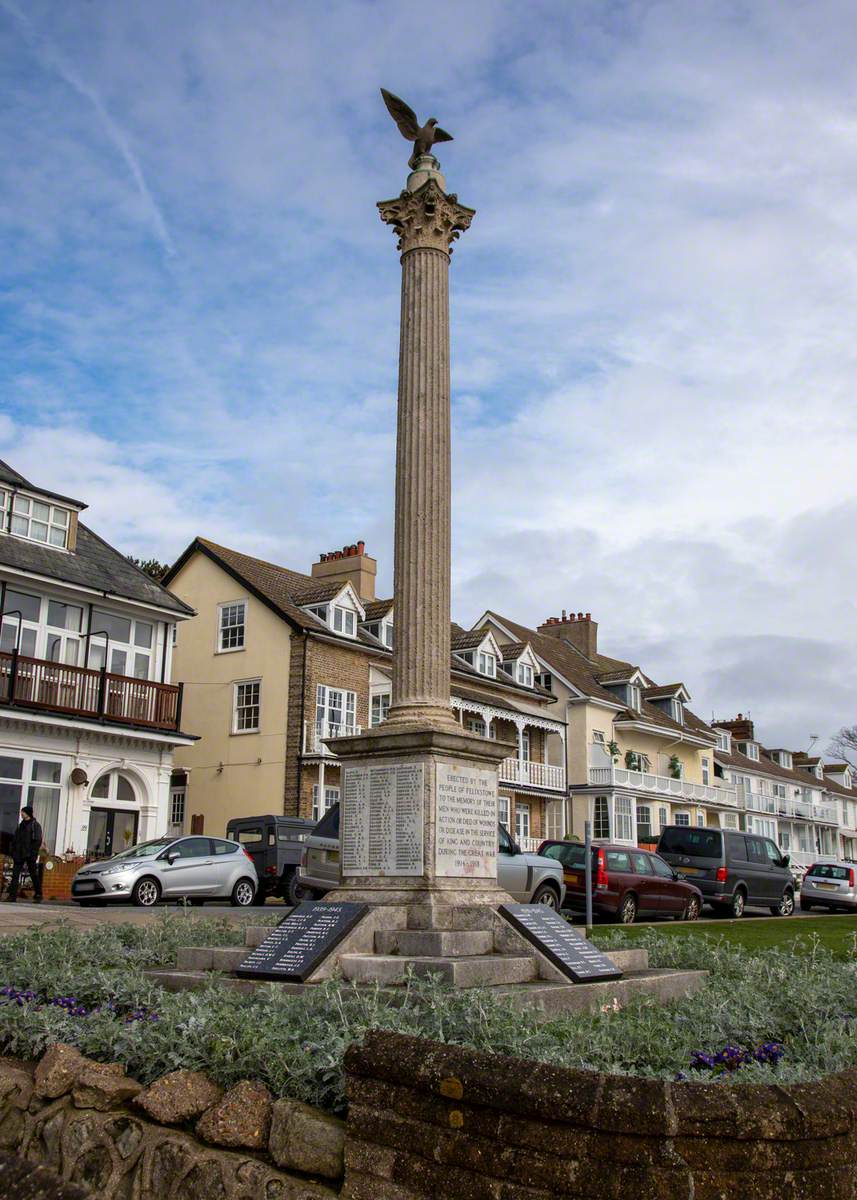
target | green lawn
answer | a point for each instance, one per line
(836, 933)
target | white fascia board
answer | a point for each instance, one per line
(684, 735)
(79, 589)
(161, 738)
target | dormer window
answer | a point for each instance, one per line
(387, 634)
(633, 697)
(38, 521)
(750, 749)
(525, 674)
(677, 711)
(487, 664)
(724, 741)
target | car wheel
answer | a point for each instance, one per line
(146, 892)
(736, 908)
(545, 894)
(628, 910)
(786, 906)
(295, 891)
(243, 894)
(691, 913)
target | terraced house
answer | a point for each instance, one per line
(783, 793)
(279, 662)
(89, 718)
(638, 757)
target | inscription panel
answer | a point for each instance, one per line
(466, 822)
(568, 950)
(382, 820)
(301, 941)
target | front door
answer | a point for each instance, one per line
(111, 830)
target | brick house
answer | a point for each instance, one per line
(278, 661)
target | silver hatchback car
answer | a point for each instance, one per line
(169, 868)
(528, 878)
(831, 885)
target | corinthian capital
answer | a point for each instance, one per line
(426, 219)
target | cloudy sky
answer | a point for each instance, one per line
(653, 313)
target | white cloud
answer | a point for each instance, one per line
(653, 352)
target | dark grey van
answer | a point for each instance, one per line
(732, 869)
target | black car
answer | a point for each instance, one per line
(731, 868)
(275, 844)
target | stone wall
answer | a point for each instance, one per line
(181, 1137)
(427, 1120)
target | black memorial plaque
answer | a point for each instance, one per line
(295, 948)
(568, 950)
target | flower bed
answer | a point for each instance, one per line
(766, 1017)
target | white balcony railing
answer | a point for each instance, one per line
(533, 774)
(680, 789)
(315, 735)
(780, 806)
(529, 845)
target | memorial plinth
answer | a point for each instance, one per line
(418, 816)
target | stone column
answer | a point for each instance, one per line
(426, 221)
(418, 826)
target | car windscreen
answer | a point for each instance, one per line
(569, 854)
(828, 871)
(145, 849)
(694, 843)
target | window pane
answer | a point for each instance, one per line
(21, 505)
(64, 616)
(46, 772)
(143, 634)
(46, 805)
(28, 643)
(11, 768)
(141, 666)
(118, 629)
(20, 525)
(29, 606)
(124, 791)
(101, 788)
(60, 516)
(118, 661)
(41, 511)
(57, 536)
(38, 531)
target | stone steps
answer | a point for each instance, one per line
(210, 958)
(551, 999)
(474, 970)
(433, 943)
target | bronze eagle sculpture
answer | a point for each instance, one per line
(423, 136)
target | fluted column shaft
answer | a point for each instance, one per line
(423, 489)
(427, 221)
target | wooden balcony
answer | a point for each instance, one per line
(48, 686)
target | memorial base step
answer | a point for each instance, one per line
(446, 943)
(477, 970)
(541, 997)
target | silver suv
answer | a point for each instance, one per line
(528, 878)
(193, 868)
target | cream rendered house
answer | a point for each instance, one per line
(638, 757)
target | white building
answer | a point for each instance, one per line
(88, 716)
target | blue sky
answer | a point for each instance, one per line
(653, 312)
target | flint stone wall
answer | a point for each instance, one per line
(428, 1120)
(112, 1151)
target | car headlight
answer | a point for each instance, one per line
(116, 870)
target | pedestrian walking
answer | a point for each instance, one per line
(26, 843)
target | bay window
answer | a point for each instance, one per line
(601, 822)
(40, 780)
(320, 806)
(121, 644)
(624, 819)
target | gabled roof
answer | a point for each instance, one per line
(467, 639)
(93, 564)
(667, 691)
(589, 678)
(512, 651)
(377, 609)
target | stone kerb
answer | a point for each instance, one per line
(477, 1125)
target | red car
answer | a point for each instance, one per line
(626, 883)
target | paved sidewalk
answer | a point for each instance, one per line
(25, 915)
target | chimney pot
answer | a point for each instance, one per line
(580, 616)
(589, 616)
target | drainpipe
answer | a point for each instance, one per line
(301, 729)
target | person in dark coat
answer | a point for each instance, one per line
(26, 843)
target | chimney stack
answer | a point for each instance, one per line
(351, 565)
(580, 630)
(740, 727)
